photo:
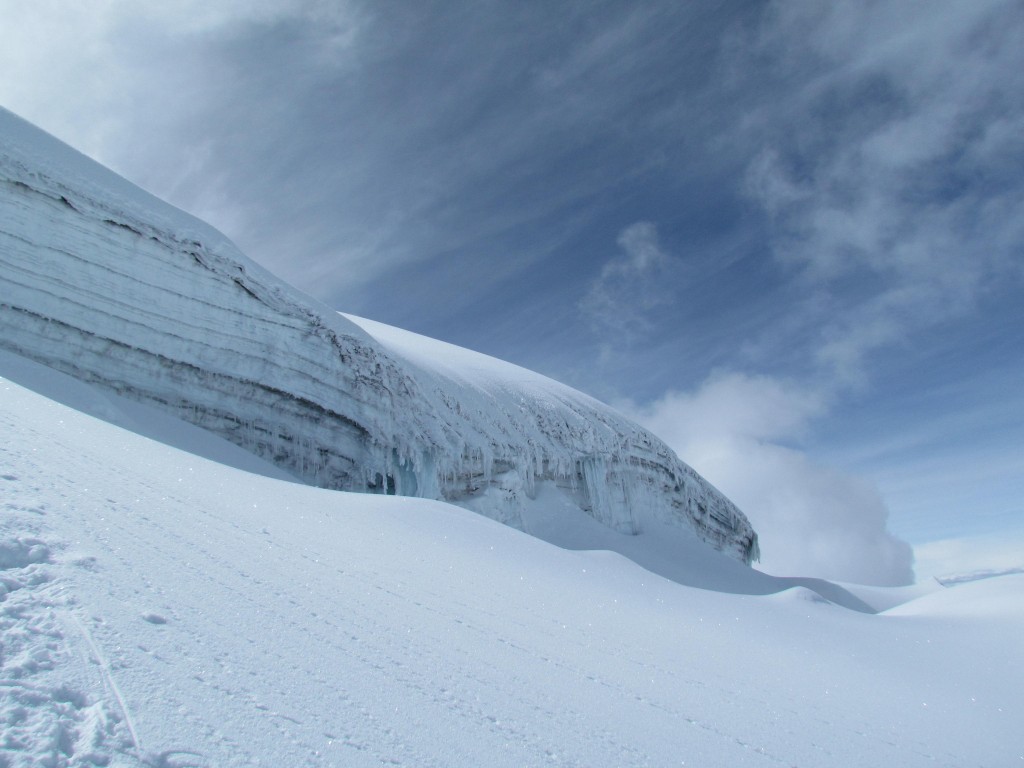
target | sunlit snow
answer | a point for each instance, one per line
(162, 609)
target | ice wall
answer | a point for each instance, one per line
(105, 282)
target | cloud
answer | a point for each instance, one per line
(811, 519)
(734, 429)
(884, 162)
(620, 300)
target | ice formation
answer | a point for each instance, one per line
(107, 283)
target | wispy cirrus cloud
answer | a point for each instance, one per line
(341, 146)
(886, 167)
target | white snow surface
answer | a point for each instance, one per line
(162, 609)
(104, 282)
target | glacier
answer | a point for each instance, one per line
(101, 280)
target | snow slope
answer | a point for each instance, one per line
(161, 609)
(102, 281)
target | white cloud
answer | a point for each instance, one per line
(621, 298)
(811, 519)
(643, 253)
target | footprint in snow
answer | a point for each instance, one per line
(154, 618)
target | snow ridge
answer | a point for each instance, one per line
(104, 282)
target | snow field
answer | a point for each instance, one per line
(165, 610)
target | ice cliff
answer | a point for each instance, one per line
(105, 282)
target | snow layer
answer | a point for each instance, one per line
(158, 609)
(104, 282)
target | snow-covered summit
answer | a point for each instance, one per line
(105, 282)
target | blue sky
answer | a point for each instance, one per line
(786, 236)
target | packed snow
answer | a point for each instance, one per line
(104, 282)
(163, 609)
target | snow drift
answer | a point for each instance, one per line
(107, 283)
